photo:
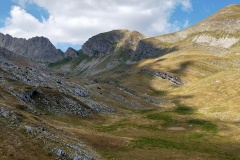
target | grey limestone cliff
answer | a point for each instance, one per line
(37, 48)
(71, 53)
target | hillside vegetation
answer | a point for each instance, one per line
(128, 96)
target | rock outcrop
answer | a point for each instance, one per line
(37, 48)
(58, 103)
(109, 42)
(6, 53)
(164, 75)
(225, 42)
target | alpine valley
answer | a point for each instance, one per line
(124, 95)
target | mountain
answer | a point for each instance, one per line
(110, 42)
(29, 90)
(71, 53)
(101, 53)
(37, 48)
(111, 49)
(217, 34)
(124, 95)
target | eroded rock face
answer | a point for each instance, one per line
(6, 53)
(225, 42)
(57, 102)
(37, 48)
(164, 75)
(146, 49)
(71, 53)
(109, 42)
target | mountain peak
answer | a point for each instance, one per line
(108, 42)
(36, 48)
(71, 53)
(216, 34)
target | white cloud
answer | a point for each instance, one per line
(21, 24)
(75, 21)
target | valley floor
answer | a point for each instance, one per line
(154, 118)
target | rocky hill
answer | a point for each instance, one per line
(110, 49)
(220, 31)
(110, 42)
(124, 95)
(72, 53)
(101, 53)
(30, 89)
(37, 48)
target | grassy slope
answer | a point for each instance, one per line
(15, 142)
(60, 63)
(147, 134)
(204, 111)
(189, 125)
(69, 61)
(208, 78)
(198, 120)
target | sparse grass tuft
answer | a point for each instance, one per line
(158, 93)
(166, 117)
(11, 80)
(206, 125)
(197, 135)
(79, 59)
(148, 127)
(144, 111)
(60, 63)
(155, 142)
(114, 127)
(184, 110)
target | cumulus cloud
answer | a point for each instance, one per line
(75, 21)
(21, 24)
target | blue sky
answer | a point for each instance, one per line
(202, 9)
(71, 24)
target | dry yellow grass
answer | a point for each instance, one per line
(210, 88)
(206, 107)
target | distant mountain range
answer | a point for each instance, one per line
(209, 33)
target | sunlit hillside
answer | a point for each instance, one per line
(125, 95)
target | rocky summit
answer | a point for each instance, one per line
(109, 42)
(37, 48)
(71, 53)
(124, 95)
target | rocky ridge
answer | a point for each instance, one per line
(36, 89)
(71, 53)
(39, 76)
(210, 31)
(110, 42)
(37, 48)
(102, 52)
